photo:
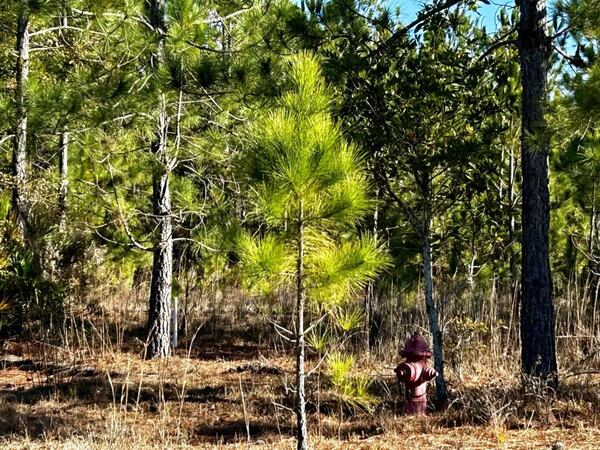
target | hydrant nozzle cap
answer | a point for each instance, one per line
(416, 346)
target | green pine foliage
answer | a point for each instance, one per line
(351, 390)
(301, 168)
(310, 189)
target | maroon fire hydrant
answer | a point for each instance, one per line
(415, 373)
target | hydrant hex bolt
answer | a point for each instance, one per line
(415, 373)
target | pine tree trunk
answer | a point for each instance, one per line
(19, 160)
(593, 267)
(538, 353)
(592, 232)
(63, 170)
(511, 221)
(434, 326)
(159, 316)
(371, 328)
(302, 435)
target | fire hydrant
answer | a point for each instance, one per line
(415, 373)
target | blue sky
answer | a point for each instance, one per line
(409, 9)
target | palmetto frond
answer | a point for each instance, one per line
(319, 340)
(348, 319)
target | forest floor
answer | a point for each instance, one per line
(236, 394)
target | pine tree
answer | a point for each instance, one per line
(310, 189)
(538, 347)
(19, 165)
(162, 105)
(421, 113)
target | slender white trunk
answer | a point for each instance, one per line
(63, 169)
(370, 292)
(302, 434)
(511, 220)
(19, 160)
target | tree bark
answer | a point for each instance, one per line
(538, 352)
(434, 326)
(159, 317)
(371, 327)
(302, 432)
(19, 159)
(63, 169)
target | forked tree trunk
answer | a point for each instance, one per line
(19, 158)
(538, 353)
(434, 326)
(159, 316)
(302, 433)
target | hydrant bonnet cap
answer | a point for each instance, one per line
(416, 346)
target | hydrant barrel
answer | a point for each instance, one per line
(415, 373)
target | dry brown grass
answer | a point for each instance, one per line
(115, 399)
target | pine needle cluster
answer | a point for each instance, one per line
(302, 169)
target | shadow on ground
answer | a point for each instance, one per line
(236, 431)
(33, 424)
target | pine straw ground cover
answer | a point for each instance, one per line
(236, 396)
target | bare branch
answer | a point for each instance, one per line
(314, 324)
(421, 19)
(195, 241)
(63, 27)
(208, 49)
(314, 369)
(498, 44)
(135, 243)
(5, 138)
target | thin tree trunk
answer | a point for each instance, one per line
(432, 315)
(302, 433)
(162, 266)
(371, 328)
(511, 218)
(594, 236)
(63, 144)
(592, 233)
(64, 22)
(19, 160)
(512, 259)
(63, 169)
(159, 317)
(538, 352)
(594, 256)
